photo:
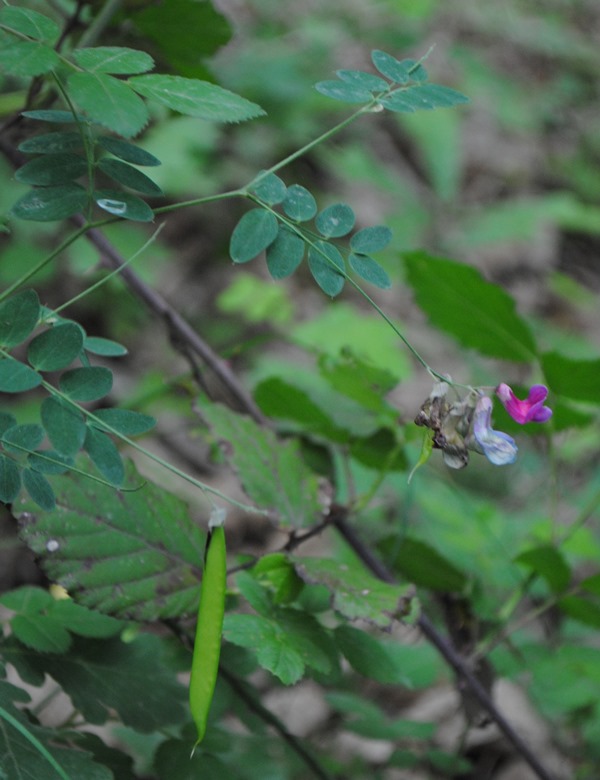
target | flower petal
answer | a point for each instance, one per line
(499, 448)
(532, 409)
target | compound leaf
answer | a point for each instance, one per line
(64, 426)
(51, 143)
(299, 203)
(27, 58)
(109, 102)
(285, 254)
(22, 437)
(129, 176)
(370, 270)
(56, 347)
(46, 204)
(255, 231)
(89, 383)
(10, 480)
(323, 260)
(128, 152)
(270, 189)
(423, 97)
(49, 169)
(335, 221)
(123, 421)
(113, 59)
(105, 456)
(39, 489)
(28, 22)
(16, 377)
(367, 81)
(19, 315)
(371, 239)
(342, 90)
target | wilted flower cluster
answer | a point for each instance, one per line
(466, 423)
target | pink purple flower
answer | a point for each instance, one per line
(532, 409)
(499, 448)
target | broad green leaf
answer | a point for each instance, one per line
(578, 379)
(254, 593)
(105, 347)
(83, 621)
(28, 599)
(480, 315)
(335, 221)
(549, 563)
(27, 58)
(51, 143)
(196, 98)
(423, 97)
(124, 421)
(105, 456)
(50, 169)
(86, 384)
(113, 59)
(342, 90)
(22, 437)
(359, 78)
(128, 152)
(255, 231)
(421, 564)
(359, 379)
(370, 270)
(271, 471)
(371, 239)
(39, 489)
(129, 176)
(323, 259)
(49, 461)
(102, 677)
(354, 592)
(28, 22)
(381, 451)
(56, 116)
(41, 632)
(19, 315)
(277, 573)
(368, 655)
(270, 189)
(10, 480)
(109, 102)
(581, 609)
(56, 347)
(64, 426)
(47, 204)
(16, 377)
(285, 254)
(299, 204)
(134, 555)
(124, 205)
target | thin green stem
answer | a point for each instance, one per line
(200, 201)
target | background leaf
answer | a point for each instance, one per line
(578, 379)
(135, 555)
(480, 315)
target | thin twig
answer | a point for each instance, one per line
(253, 704)
(446, 650)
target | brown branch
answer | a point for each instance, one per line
(446, 650)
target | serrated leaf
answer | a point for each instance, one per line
(129, 176)
(47, 204)
(270, 189)
(22, 437)
(343, 91)
(255, 231)
(19, 315)
(124, 205)
(56, 347)
(27, 59)
(285, 254)
(367, 81)
(370, 270)
(28, 599)
(335, 221)
(128, 152)
(323, 268)
(41, 632)
(423, 565)
(271, 471)
(400, 71)
(196, 98)
(124, 421)
(50, 169)
(368, 656)
(354, 592)
(106, 347)
(299, 203)
(371, 239)
(39, 489)
(16, 377)
(549, 563)
(64, 426)
(109, 102)
(134, 555)
(51, 143)
(106, 676)
(10, 480)
(85, 622)
(480, 315)
(105, 456)
(423, 97)
(578, 379)
(113, 59)
(28, 22)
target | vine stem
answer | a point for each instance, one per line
(445, 649)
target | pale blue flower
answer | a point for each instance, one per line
(499, 448)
